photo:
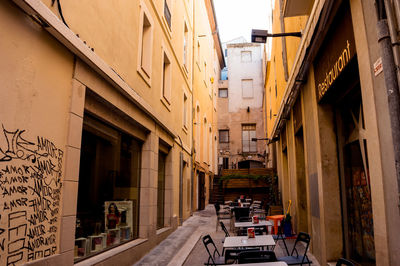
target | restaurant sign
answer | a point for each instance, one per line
(335, 53)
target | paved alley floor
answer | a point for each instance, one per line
(185, 246)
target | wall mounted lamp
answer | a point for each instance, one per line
(260, 36)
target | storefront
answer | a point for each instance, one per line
(334, 149)
(338, 91)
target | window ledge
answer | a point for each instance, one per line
(165, 103)
(163, 230)
(143, 75)
(185, 71)
(167, 27)
(112, 252)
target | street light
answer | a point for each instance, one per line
(260, 36)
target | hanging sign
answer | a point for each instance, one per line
(335, 53)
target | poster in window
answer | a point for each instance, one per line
(118, 214)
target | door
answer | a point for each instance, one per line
(358, 230)
(202, 191)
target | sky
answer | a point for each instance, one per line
(237, 18)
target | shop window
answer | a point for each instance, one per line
(108, 195)
(161, 189)
(224, 136)
(223, 93)
(249, 132)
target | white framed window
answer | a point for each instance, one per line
(185, 111)
(247, 88)
(166, 78)
(245, 56)
(223, 92)
(185, 46)
(167, 12)
(144, 65)
(248, 133)
(223, 136)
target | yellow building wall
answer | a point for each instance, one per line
(206, 71)
(41, 80)
(276, 83)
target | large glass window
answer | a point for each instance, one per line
(249, 132)
(108, 192)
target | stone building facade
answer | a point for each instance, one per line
(240, 105)
(329, 121)
(96, 143)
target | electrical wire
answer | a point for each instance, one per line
(60, 11)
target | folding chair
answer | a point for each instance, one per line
(224, 229)
(295, 259)
(224, 214)
(214, 257)
(255, 256)
(281, 236)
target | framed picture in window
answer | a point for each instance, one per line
(118, 214)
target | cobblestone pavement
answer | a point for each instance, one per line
(185, 247)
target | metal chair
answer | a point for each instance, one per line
(214, 257)
(281, 236)
(225, 214)
(295, 259)
(255, 256)
(343, 261)
(241, 212)
(224, 229)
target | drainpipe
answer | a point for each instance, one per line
(391, 85)
(390, 10)
(283, 39)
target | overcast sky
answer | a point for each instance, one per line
(236, 18)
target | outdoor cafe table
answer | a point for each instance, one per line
(245, 242)
(275, 263)
(250, 224)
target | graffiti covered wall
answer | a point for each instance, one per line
(30, 190)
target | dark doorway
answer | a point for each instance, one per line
(202, 191)
(358, 224)
(301, 185)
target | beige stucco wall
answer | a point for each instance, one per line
(34, 108)
(47, 92)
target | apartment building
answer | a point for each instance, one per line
(240, 107)
(96, 150)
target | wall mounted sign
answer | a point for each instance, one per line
(335, 53)
(378, 68)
